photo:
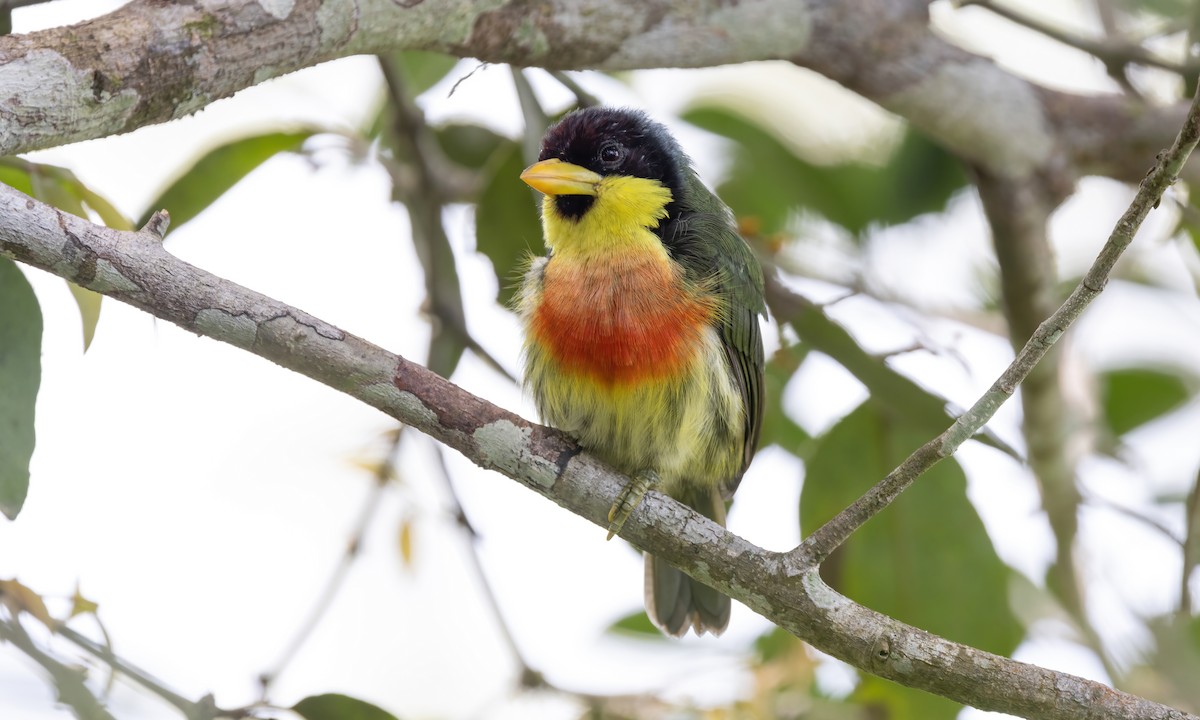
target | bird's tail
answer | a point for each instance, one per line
(676, 602)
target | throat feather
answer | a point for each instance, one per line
(620, 321)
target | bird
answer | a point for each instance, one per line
(641, 329)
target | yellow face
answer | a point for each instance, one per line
(621, 218)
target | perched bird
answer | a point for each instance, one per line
(641, 329)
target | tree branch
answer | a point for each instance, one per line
(136, 269)
(1115, 54)
(149, 62)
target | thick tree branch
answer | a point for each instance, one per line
(153, 61)
(136, 269)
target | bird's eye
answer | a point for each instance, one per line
(611, 154)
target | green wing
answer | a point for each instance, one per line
(701, 237)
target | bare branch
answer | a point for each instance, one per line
(135, 268)
(91, 80)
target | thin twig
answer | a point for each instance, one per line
(1191, 548)
(1115, 55)
(583, 98)
(529, 678)
(384, 473)
(72, 690)
(829, 536)
(202, 709)
(1143, 518)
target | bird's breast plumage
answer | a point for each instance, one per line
(619, 320)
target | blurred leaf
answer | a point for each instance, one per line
(81, 605)
(1134, 396)
(920, 177)
(422, 69)
(507, 227)
(638, 625)
(21, 599)
(778, 428)
(925, 560)
(112, 217)
(14, 174)
(20, 376)
(924, 410)
(339, 707)
(769, 181)
(89, 310)
(471, 146)
(773, 644)
(405, 541)
(1172, 664)
(419, 71)
(216, 171)
(60, 188)
(883, 698)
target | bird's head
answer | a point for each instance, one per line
(589, 148)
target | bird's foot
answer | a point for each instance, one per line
(629, 499)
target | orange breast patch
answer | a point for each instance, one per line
(620, 321)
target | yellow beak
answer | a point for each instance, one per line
(555, 177)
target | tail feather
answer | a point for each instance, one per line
(676, 602)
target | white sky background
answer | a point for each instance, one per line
(202, 496)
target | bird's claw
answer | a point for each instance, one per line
(630, 497)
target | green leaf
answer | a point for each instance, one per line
(638, 625)
(1136, 395)
(112, 217)
(14, 173)
(471, 146)
(422, 69)
(766, 180)
(769, 181)
(60, 188)
(20, 376)
(419, 71)
(332, 706)
(773, 644)
(1172, 663)
(778, 428)
(507, 228)
(924, 410)
(216, 171)
(925, 560)
(88, 303)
